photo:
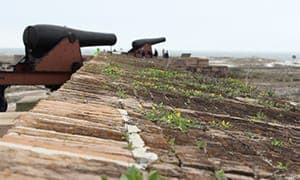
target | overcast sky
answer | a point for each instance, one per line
(216, 25)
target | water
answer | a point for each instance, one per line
(283, 57)
(267, 55)
(11, 51)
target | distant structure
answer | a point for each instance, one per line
(143, 47)
(294, 56)
(185, 55)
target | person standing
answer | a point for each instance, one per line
(167, 54)
(155, 53)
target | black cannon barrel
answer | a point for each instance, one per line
(39, 39)
(141, 42)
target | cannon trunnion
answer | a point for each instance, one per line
(52, 54)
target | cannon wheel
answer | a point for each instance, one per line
(3, 104)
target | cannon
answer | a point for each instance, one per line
(52, 54)
(143, 47)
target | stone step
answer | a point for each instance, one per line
(7, 120)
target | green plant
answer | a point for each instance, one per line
(135, 174)
(249, 135)
(169, 117)
(277, 143)
(129, 143)
(161, 74)
(201, 145)
(104, 178)
(192, 85)
(132, 174)
(171, 142)
(113, 71)
(154, 175)
(121, 93)
(273, 104)
(282, 166)
(220, 174)
(270, 93)
(222, 125)
(130, 146)
(259, 116)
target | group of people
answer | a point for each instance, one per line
(165, 53)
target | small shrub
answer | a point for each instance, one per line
(282, 166)
(154, 175)
(249, 135)
(135, 174)
(169, 117)
(201, 145)
(222, 125)
(171, 142)
(259, 116)
(132, 174)
(113, 71)
(270, 93)
(130, 146)
(160, 74)
(277, 143)
(273, 104)
(104, 178)
(220, 174)
(121, 93)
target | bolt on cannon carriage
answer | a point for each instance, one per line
(52, 54)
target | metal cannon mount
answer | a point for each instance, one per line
(52, 54)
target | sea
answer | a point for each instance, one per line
(282, 57)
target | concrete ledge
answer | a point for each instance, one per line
(8, 118)
(7, 121)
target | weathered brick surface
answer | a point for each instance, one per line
(66, 137)
(79, 133)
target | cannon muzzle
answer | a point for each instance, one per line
(39, 39)
(141, 42)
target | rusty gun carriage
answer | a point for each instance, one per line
(52, 54)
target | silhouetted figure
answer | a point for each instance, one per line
(167, 54)
(155, 53)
